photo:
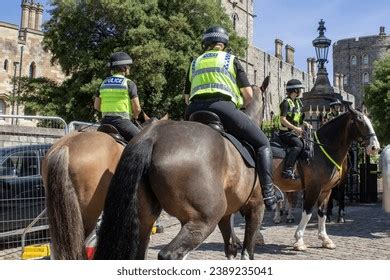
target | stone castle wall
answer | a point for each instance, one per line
(344, 52)
(12, 39)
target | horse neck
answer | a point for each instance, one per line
(255, 109)
(336, 138)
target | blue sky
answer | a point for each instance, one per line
(295, 22)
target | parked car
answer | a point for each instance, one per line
(22, 196)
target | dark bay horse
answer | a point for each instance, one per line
(76, 173)
(321, 175)
(194, 174)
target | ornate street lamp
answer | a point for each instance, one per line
(321, 44)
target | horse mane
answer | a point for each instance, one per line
(332, 127)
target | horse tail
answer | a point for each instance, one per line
(63, 209)
(120, 215)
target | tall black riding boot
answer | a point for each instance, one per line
(288, 172)
(271, 193)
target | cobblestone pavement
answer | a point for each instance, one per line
(365, 235)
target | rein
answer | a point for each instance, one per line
(339, 167)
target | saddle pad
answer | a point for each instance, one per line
(243, 150)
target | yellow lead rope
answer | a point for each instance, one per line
(339, 167)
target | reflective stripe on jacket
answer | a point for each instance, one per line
(213, 72)
(114, 95)
(294, 114)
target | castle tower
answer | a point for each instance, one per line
(354, 59)
(25, 14)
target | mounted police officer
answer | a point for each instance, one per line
(335, 107)
(291, 120)
(118, 98)
(218, 83)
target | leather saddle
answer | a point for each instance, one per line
(211, 119)
(113, 132)
(280, 149)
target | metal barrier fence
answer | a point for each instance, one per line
(24, 140)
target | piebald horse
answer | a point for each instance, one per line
(324, 172)
(192, 172)
(76, 173)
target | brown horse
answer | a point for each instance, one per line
(194, 174)
(321, 175)
(76, 173)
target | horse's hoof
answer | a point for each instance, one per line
(341, 220)
(276, 221)
(259, 239)
(290, 221)
(328, 244)
(300, 248)
(231, 257)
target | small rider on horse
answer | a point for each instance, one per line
(290, 131)
(118, 98)
(218, 83)
(335, 107)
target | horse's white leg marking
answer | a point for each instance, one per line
(186, 256)
(245, 255)
(326, 241)
(299, 245)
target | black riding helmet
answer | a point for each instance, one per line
(119, 59)
(293, 84)
(335, 103)
(213, 35)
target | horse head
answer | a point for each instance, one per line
(363, 130)
(255, 109)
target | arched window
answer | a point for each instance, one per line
(345, 80)
(6, 65)
(32, 71)
(353, 60)
(235, 19)
(365, 78)
(2, 107)
(365, 59)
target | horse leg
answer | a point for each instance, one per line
(290, 200)
(329, 207)
(341, 218)
(322, 205)
(309, 200)
(235, 238)
(277, 217)
(148, 210)
(190, 236)
(253, 213)
(228, 235)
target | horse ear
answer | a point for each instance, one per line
(349, 107)
(146, 117)
(166, 117)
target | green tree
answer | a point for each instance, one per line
(377, 99)
(162, 37)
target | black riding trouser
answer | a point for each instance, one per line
(125, 127)
(295, 144)
(243, 128)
